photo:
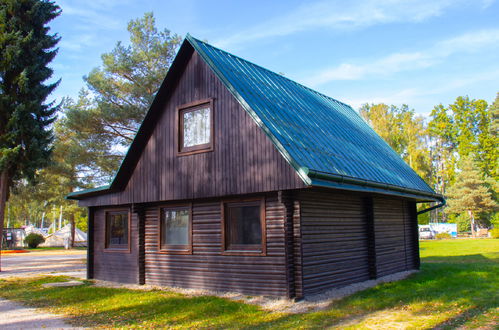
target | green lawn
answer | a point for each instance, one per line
(458, 286)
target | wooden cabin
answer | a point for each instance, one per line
(240, 179)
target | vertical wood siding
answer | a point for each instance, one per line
(114, 266)
(244, 160)
(207, 268)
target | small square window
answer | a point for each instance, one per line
(175, 229)
(195, 126)
(244, 227)
(117, 230)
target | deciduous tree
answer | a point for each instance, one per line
(403, 130)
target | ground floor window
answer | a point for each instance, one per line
(118, 230)
(244, 226)
(176, 229)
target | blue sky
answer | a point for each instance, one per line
(419, 52)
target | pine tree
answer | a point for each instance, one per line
(26, 48)
(469, 193)
(109, 111)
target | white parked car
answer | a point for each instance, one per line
(425, 232)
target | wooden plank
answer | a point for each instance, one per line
(208, 267)
(394, 241)
(243, 159)
(119, 266)
(90, 244)
(334, 236)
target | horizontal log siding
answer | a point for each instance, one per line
(114, 266)
(207, 268)
(411, 235)
(297, 251)
(333, 230)
(394, 243)
(243, 161)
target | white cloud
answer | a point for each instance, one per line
(78, 42)
(404, 96)
(397, 62)
(341, 15)
(92, 13)
(426, 94)
(468, 42)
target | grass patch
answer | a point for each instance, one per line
(456, 287)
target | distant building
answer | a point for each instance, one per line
(62, 237)
(13, 238)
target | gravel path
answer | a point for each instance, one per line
(49, 262)
(15, 316)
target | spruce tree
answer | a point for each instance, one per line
(469, 194)
(26, 48)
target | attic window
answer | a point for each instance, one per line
(195, 127)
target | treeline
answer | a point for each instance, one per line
(455, 149)
(94, 131)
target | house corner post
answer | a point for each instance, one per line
(140, 210)
(298, 250)
(90, 244)
(371, 237)
(413, 213)
(287, 214)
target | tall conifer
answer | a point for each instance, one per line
(470, 193)
(26, 48)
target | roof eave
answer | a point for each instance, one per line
(82, 194)
(320, 179)
(134, 151)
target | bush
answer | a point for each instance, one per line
(443, 236)
(494, 233)
(33, 240)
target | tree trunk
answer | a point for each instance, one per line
(4, 192)
(472, 221)
(73, 230)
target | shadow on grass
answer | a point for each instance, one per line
(178, 311)
(460, 319)
(442, 286)
(438, 288)
(31, 292)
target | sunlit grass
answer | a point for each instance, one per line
(457, 286)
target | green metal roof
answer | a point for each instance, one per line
(89, 191)
(325, 140)
(318, 135)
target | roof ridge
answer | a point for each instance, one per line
(263, 95)
(268, 70)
